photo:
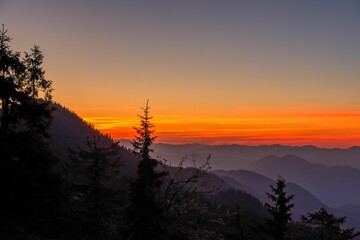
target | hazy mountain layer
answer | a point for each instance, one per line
(241, 156)
(335, 186)
(259, 184)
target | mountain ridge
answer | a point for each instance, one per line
(334, 185)
(243, 156)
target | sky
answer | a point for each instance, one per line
(217, 72)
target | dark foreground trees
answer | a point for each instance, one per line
(145, 214)
(280, 209)
(163, 202)
(29, 188)
(93, 195)
(324, 225)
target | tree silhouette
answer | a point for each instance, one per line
(326, 225)
(145, 212)
(280, 209)
(11, 71)
(29, 187)
(35, 75)
(93, 170)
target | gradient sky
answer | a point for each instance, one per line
(229, 71)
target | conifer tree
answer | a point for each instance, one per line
(93, 172)
(29, 187)
(145, 212)
(11, 71)
(35, 74)
(280, 209)
(37, 111)
(326, 225)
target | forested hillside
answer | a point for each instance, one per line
(63, 179)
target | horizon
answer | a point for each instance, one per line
(340, 131)
(242, 145)
(250, 72)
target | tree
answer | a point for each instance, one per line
(145, 214)
(11, 71)
(92, 194)
(20, 83)
(182, 184)
(35, 75)
(29, 187)
(184, 202)
(326, 225)
(38, 109)
(280, 210)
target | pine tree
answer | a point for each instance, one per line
(11, 72)
(280, 209)
(92, 195)
(29, 188)
(35, 75)
(145, 214)
(37, 111)
(326, 225)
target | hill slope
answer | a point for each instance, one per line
(305, 201)
(335, 186)
(69, 130)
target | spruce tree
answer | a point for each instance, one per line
(145, 213)
(37, 111)
(29, 188)
(93, 196)
(280, 209)
(11, 72)
(35, 74)
(326, 225)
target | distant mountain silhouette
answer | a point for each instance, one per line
(336, 186)
(69, 130)
(242, 156)
(305, 202)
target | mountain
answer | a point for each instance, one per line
(335, 186)
(259, 184)
(242, 156)
(69, 130)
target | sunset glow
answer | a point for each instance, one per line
(246, 72)
(325, 130)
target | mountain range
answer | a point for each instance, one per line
(241, 156)
(336, 185)
(318, 181)
(258, 185)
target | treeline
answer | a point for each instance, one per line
(87, 198)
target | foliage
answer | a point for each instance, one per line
(11, 76)
(87, 201)
(145, 213)
(280, 211)
(35, 75)
(233, 198)
(325, 225)
(181, 184)
(92, 194)
(30, 189)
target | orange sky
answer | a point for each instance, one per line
(324, 130)
(249, 72)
